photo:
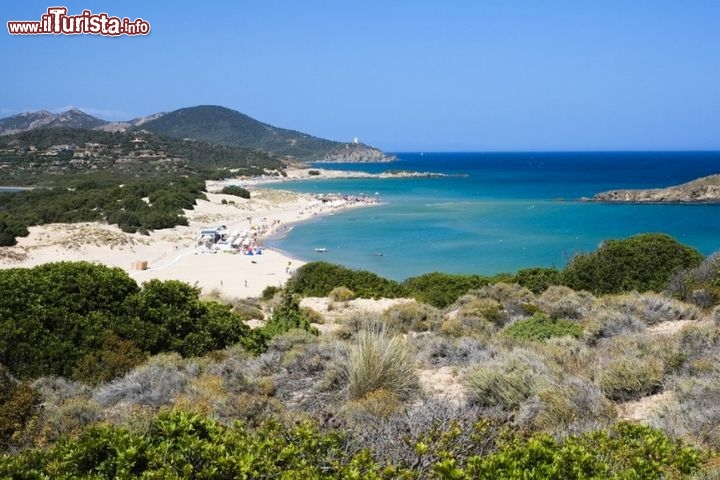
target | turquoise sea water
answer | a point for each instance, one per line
(503, 212)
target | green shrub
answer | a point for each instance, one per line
(93, 322)
(287, 316)
(235, 190)
(378, 360)
(626, 450)
(442, 289)
(538, 279)
(642, 262)
(19, 402)
(269, 292)
(318, 279)
(540, 327)
(699, 285)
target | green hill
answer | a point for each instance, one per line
(220, 125)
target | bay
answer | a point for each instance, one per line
(499, 212)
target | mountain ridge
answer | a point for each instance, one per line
(212, 124)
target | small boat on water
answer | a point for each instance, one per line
(321, 249)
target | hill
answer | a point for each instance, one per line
(45, 155)
(224, 126)
(211, 124)
(701, 190)
(72, 118)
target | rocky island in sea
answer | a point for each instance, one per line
(701, 190)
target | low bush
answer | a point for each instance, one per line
(699, 285)
(179, 444)
(652, 308)
(607, 323)
(630, 378)
(341, 294)
(442, 289)
(693, 412)
(487, 309)
(412, 317)
(153, 384)
(642, 263)
(626, 450)
(571, 407)
(235, 190)
(563, 302)
(441, 351)
(318, 279)
(508, 380)
(19, 402)
(540, 327)
(538, 279)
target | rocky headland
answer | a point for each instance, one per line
(701, 190)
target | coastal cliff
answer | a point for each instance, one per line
(702, 190)
(356, 152)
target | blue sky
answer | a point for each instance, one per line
(481, 75)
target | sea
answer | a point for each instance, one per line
(498, 212)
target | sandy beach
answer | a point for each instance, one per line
(173, 253)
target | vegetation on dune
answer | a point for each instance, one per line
(92, 322)
(101, 377)
(139, 181)
(318, 279)
(642, 262)
(540, 327)
(235, 190)
(185, 445)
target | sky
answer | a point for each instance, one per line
(453, 75)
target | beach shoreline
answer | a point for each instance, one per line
(172, 254)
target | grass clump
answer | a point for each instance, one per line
(572, 406)
(540, 327)
(412, 317)
(507, 381)
(630, 378)
(341, 294)
(377, 359)
(653, 308)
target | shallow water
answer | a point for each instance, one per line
(507, 211)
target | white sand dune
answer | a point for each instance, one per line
(172, 254)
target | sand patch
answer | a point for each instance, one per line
(443, 383)
(639, 410)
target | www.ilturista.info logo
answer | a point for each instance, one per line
(57, 21)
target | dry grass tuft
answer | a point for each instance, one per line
(412, 317)
(380, 360)
(563, 302)
(508, 380)
(652, 308)
(574, 406)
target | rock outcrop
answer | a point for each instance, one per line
(702, 190)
